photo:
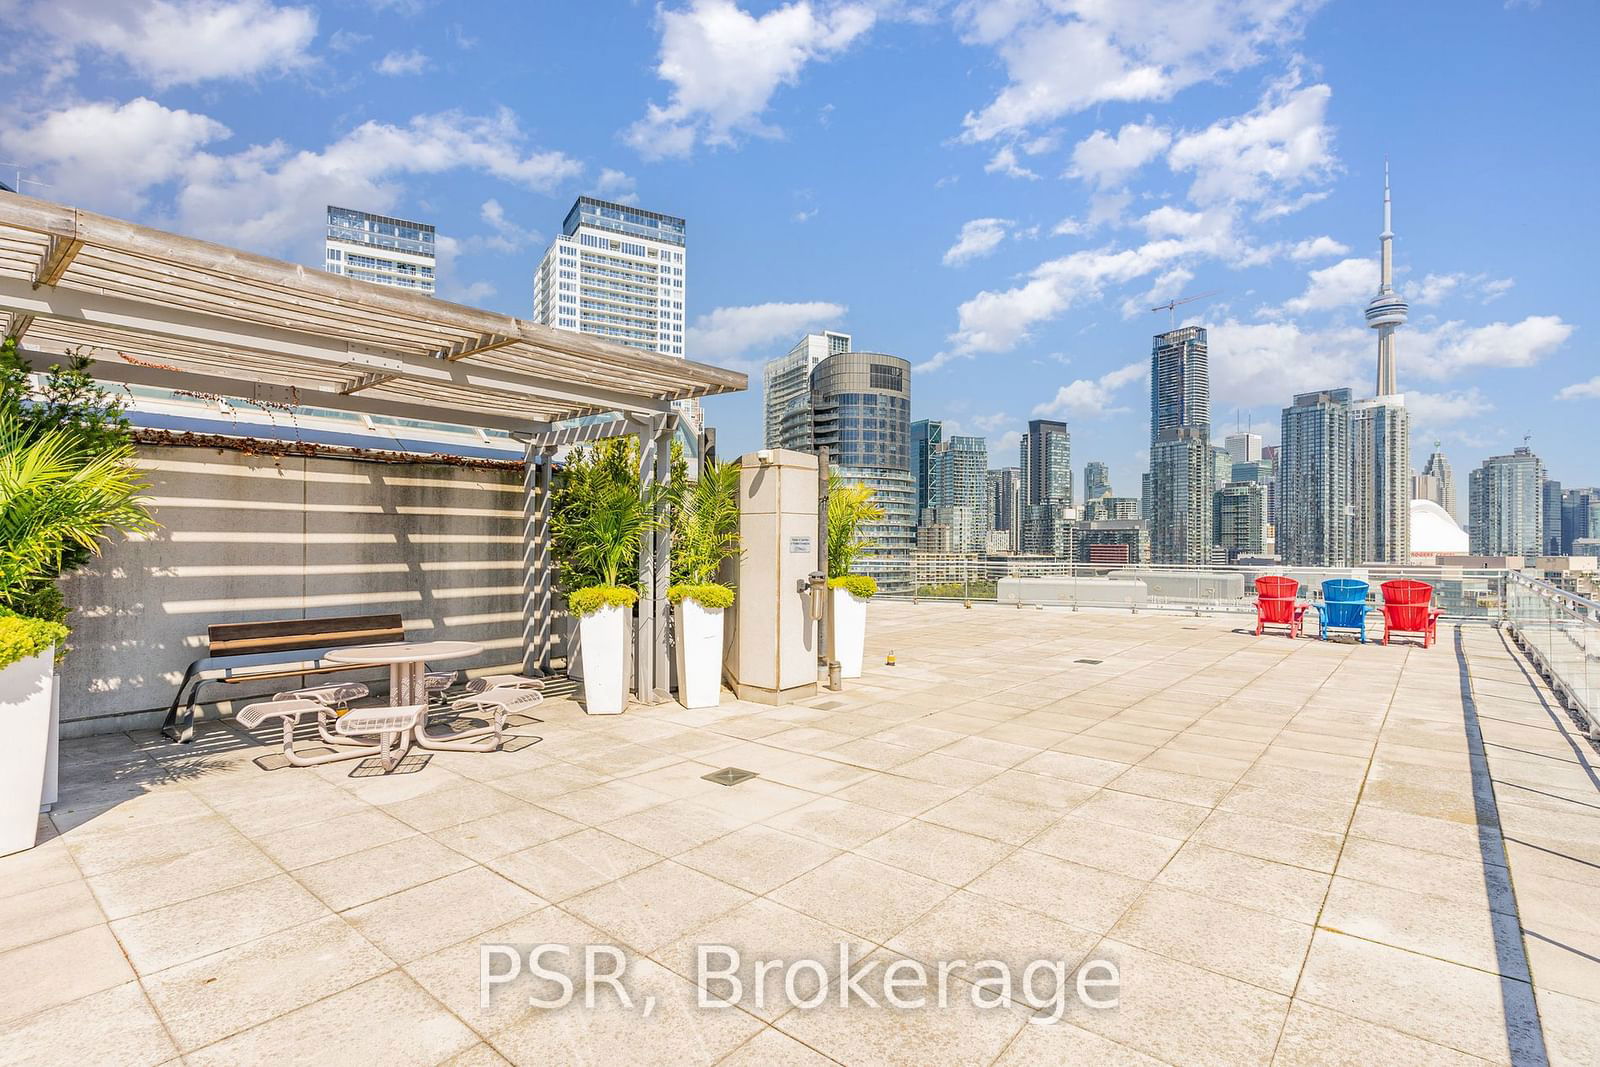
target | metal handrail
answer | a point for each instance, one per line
(1560, 632)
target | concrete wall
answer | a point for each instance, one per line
(248, 538)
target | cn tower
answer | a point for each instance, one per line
(1388, 309)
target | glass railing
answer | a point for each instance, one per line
(1561, 633)
(1461, 593)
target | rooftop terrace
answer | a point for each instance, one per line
(1294, 851)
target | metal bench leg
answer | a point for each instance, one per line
(344, 752)
(169, 725)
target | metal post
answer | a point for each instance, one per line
(644, 658)
(538, 606)
(823, 648)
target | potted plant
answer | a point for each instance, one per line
(705, 535)
(603, 541)
(27, 658)
(66, 478)
(850, 508)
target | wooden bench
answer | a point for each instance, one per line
(287, 648)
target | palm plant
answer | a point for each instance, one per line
(58, 498)
(705, 524)
(850, 507)
(606, 542)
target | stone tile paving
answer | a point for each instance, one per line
(1295, 852)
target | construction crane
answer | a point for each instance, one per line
(1170, 305)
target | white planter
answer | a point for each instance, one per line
(25, 720)
(52, 756)
(849, 631)
(603, 638)
(698, 631)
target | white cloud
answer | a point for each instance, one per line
(508, 237)
(1005, 161)
(727, 333)
(1067, 227)
(267, 198)
(977, 239)
(1496, 288)
(1086, 398)
(616, 186)
(1347, 284)
(1316, 248)
(1064, 56)
(1433, 410)
(399, 64)
(180, 42)
(1108, 161)
(1589, 390)
(725, 64)
(1282, 144)
(1265, 364)
(1453, 347)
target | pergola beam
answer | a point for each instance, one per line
(272, 394)
(486, 343)
(98, 309)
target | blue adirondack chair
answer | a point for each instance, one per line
(1343, 607)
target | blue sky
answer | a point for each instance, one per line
(996, 191)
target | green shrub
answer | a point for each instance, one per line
(856, 584)
(583, 602)
(708, 595)
(21, 638)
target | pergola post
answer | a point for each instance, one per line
(644, 657)
(663, 539)
(538, 606)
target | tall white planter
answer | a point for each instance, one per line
(603, 635)
(849, 631)
(698, 630)
(25, 720)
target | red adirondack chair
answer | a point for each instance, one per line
(1408, 609)
(1276, 604)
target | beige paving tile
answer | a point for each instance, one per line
(1328, 814)
(1064, 1043)
(762, 931)
(550, 781)
(1165, 817)
(1086, 770)
(1421, 996)
(968, 926)
(395, 1022)
(867, 898)
(755, 800)
(757, 858)
(1270, 839)
(676, 1031)
(1569, 1032)
(178, 933)
(301, 846)
(902, 796)
(43, 913)
(425, 918)
(46, 864)
(1563, 960)
(774, 1048)
(44, 974)
(1260, 949)
(505, 832)
(1275, 888)
(655, 905)
(836, 822)
(857, 1033)
(1110, 848)
(1444, 927)
(1077, 895)
(1183, 1014)
(1040, 790)
(116, 1025)
(674, 827)
(451, 806)
(1170, 785)
(110, 844)
(131, 890)
(365, 876)
(222, 994)
(992, 816)
(567, 866)
(936, 852)
(1317, 1037)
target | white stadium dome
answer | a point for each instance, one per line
(1434, 532)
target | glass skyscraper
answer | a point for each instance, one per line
(957, 492)
(786, 381)
(1313, 505)
(1096, 480)
(1183, 469)
(379, 249)
(1505, 500)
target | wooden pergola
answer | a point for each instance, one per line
(156, 309)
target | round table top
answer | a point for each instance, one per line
(404, 652)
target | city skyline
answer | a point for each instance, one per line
(1051, 215)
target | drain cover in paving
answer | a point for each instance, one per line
(729, 776)
(411, 763)
(1086, 661)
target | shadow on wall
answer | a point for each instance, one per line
(252, 538)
